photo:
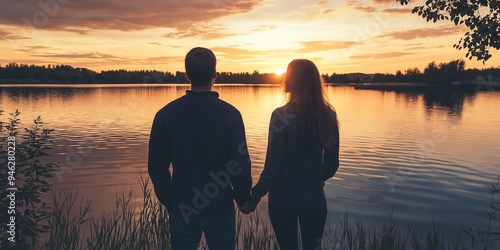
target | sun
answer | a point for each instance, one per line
(280, 71)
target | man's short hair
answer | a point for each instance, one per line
(200, 66)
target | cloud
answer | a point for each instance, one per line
(150, 63)
(425, 33)
(381, 55)
(78, 55)
(421, 46)
(165, 45)
(235, 53)
(73, 15)
(398, 10)
(383, 1)
(161, 60)
(255, 57)
(264, 27)
(31, 49)
(360, 7)
(315, 46)
(328, 11)
(316, 4)
(206, 31)
(4, 35)
(321, 3)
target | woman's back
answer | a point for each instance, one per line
(293, 175)
(302, 152)
(300, 179)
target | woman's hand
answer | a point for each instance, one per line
(247, 208)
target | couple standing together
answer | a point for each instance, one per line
(203, 139)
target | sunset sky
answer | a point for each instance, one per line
(366, 36)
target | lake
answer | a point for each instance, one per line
(415, 155)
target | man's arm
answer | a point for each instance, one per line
(159, 161)
(239, 164)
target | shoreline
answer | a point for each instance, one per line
(397, 87)
(421, 87)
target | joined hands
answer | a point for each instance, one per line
(247, 208)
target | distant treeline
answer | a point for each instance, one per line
(24, 73)
(443, 73)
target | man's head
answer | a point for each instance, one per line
(200, 66)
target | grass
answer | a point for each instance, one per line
(145, 226)
(128, 226)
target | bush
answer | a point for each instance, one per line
(24, 192)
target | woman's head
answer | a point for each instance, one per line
(317, 119)
(303, 81)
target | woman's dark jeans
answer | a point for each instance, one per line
(312, 222)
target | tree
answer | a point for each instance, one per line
(413, 75)
(444, 73)
(481, 17)
(432, 74)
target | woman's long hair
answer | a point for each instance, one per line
(317, 118)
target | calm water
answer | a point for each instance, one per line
(414, 154)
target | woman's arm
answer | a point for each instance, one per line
(331, 160)
(274, 157)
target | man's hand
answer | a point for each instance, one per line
(247, 208)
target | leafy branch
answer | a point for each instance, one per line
(481, 17)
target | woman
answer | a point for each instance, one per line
(302, 152)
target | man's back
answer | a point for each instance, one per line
(204, 140)
(202, 136)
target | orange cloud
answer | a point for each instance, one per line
(360, 7)
(161, 60)
(255, 58)
(155, 43)
(165, 45)
(31, 49)
(4, 35)
(321, 3)
(381, 55)
(328, 11)
(83, 15)
(315, 46)
(264, 27)
(316, 4)
(205, 31)
(398, 10)
(425, 32)
(422, 47)
(235, 53)
(91, 55)
(383, 1)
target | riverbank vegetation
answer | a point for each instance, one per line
(69, 224)
(434, 73)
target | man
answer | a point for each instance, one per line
(203, 138)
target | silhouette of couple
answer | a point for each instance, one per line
(203, 139)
